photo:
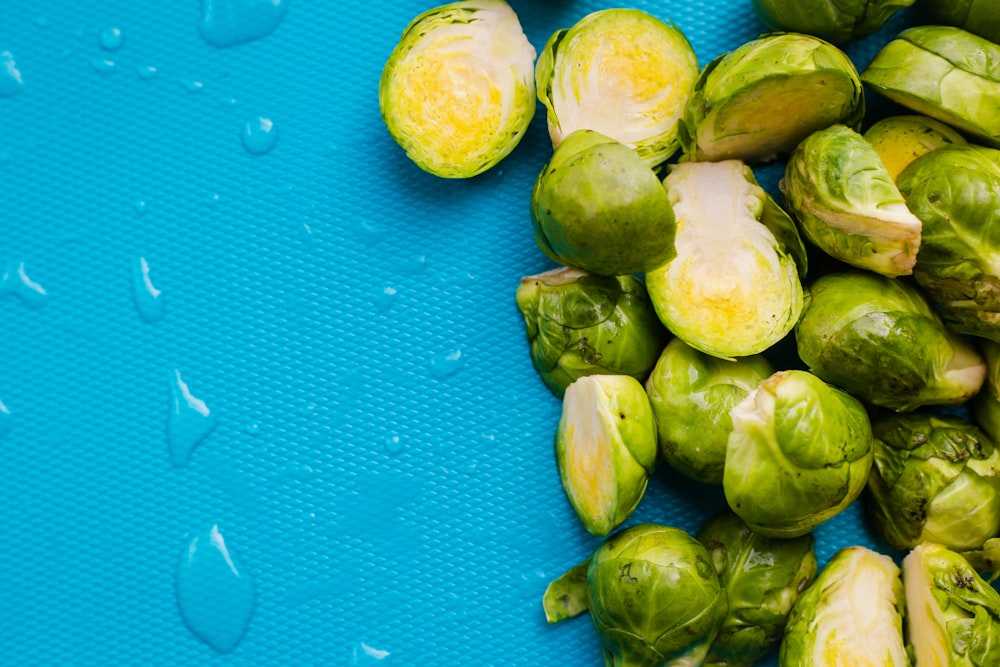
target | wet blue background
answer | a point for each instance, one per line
(382, 461)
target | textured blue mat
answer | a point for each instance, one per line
(335, 326)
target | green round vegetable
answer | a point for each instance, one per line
(879, 339)
(799, 453)
(943, 72)
(605, 448)
(458, 91)
(936, 478)
(761, 99)
(852, 615)
(691, 394)
(833, 20)
(620, 72)
(847, 204)
(581, 324)
(899, 140)
(654, 597)
(733, 288)
(955, 191)
(981, 17)
(763, 578)
(597, 206)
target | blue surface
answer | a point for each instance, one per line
(378, 450)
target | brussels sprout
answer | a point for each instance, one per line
(458, 91)
(761, 99)
(879, 339)
(899, 140)
(986, 404)
(986, 559)
(605, 448)
(692, 394)
(762, 578)
(621, 72)
(981, 17)
(952, 615)
(834, 20)
(597, 206)
(851, 615)
(799, 453)
(566, 596)
(844, 198)
(943, 72)
(955, 191)
(733, 288)
(936, 478)
(654, 598)
(583, 324)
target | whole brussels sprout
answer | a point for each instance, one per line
(943, 72)
(952, 614)
(733, 288)
(458, 91)
(597, 206)
(654, 598)
(936, 478)
(620, 72)
(899, 140)
(851, 615)
(799, 453)
(981, 17)
(879, 339)
(844, 198)
(581, 324)
(691, 394)
(955, 191)
(764, 97)
(762, 578)
(833, 20)
(605, 448)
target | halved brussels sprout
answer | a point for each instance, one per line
(879, 339)
(943, 72)
(691, 394)
(764, 97)
(833, 20)
(581, 324)
(955, 191)
(981, 17)
(952, 614)
(799, 454)
(733, 288)
(605, 448)
(852, 615)
(458, 91)
(762, 578)
(844, 198)
(899, 140)
(654, 598)
(597, 206)
(620, 72)
(936, 478)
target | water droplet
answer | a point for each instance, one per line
(253, 429)
(190, 421)
(111, 39)
(363, 654)
(148, 299)
(10, 76)
(15, 281)
(446, 365)
(414, 265)
(146, 72)
(193, 86)
(141, 207)
(6, 420)
(393, 444)
(215, 598)
(259, 135)
(214, 200)
(385, 298)
(103, 65)
(231, 22)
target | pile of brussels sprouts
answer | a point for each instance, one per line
(680, 273)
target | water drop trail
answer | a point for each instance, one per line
(15, 280)
(189, 422)
(11, 81)
(148, 299)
